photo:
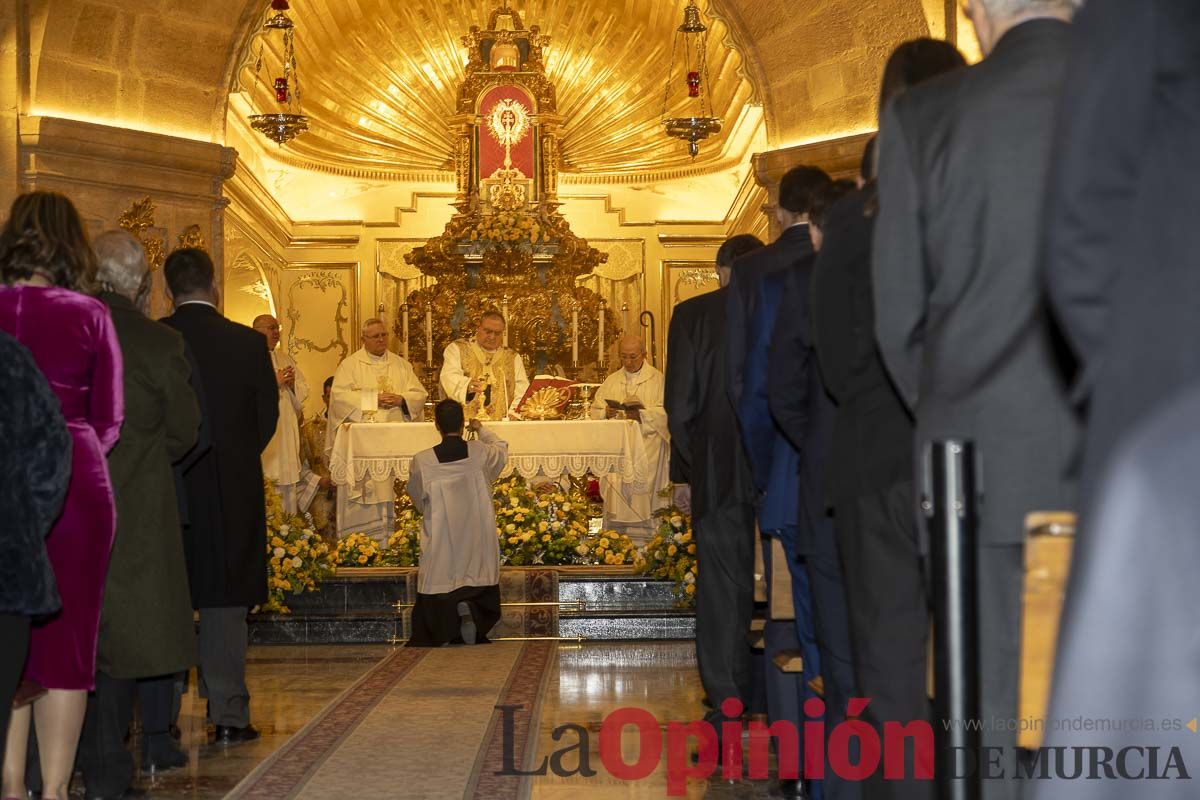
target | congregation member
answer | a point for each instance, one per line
(46, 265)
(458, 583)
(959, 309)
(282, 462)
(35, 468)
(1126, 150)
(786, 421)
(481, 373)
(755, 295)
(314, 436)
(869, 478)
(637, 386)
(1126, 297)
(713, 484)
(225, 539)
(146, 628)
(381, 385)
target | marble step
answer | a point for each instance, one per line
(627, 625)
(615, 594)
(385, 627)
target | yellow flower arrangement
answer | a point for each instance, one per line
(297, 557)
(358, 550)
(507, 228)
(403, 547)
(671, 554)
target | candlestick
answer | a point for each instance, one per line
(504, 313)
(575, 336)
(600, 335)
(404, 329)
(429, 337)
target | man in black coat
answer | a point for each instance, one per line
(959, 312)
(225, 538)
(1122, 252)
(869, 486)
(713, 479)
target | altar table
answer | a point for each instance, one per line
(547, 449)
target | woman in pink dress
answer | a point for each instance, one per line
(46, 265)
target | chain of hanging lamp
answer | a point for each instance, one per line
(287, 123)
(693, 34)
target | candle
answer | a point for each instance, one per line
(575, 337)
(600, 336)
(404, 326)
(504, 313)
(428, 337)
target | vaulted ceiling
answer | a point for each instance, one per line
(380, 80)
(169, 66)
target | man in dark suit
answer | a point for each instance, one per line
(1122, 244)
(797, 189)
(795, 413)
(146, 626)
(959, 312)
(225, 539)
(713, 479)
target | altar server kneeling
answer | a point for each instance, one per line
(458, 585)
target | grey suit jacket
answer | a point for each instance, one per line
(960, 315)
(1122, 234)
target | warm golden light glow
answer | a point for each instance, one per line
(133, 125)
(379, 78)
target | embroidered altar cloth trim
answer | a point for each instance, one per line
(384, 450)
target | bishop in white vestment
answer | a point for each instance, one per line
(281, 460)
(640, 386)
(458, 584)
(380, 385)
(487, 378)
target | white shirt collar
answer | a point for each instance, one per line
(196, 302)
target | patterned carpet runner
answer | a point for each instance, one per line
(420, 724)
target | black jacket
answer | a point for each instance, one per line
(1122, 228)
(960, 314)
(706, 451)
(225, 538)
(35, 469)
(872, 444)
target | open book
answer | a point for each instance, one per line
(631, 410)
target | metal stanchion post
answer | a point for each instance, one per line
(949, 500)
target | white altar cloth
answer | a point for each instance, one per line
(536, 449)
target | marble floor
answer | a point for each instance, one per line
(290, 684)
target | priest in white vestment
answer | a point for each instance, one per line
(486, 377)
(458, 583)
(281, 461)
(372, 384)
(639, 388)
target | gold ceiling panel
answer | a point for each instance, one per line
(379, 79)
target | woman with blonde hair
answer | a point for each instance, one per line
(46, 266)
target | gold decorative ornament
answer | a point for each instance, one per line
(508, 246)
(138, 219)
(286, 122)
(691, 38)
(545, 403)
(191, 237)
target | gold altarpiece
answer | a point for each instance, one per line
(507, 247)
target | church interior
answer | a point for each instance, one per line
(572, 164)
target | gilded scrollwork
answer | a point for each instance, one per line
(138, 219)
(324, 282)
